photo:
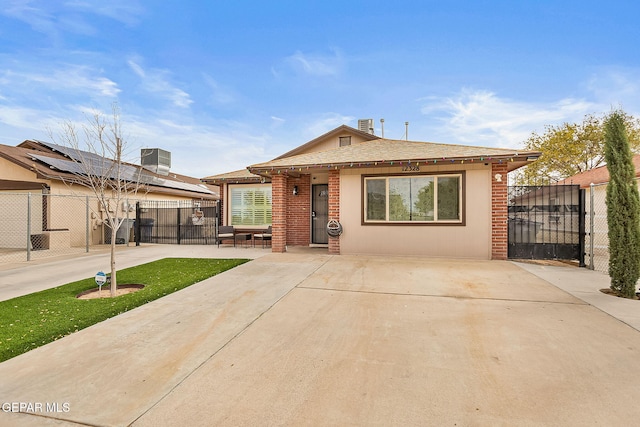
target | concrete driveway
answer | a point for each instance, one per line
(312, 339)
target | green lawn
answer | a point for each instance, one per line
(36, 319)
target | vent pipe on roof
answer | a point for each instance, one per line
(406, 131)
(382, 127)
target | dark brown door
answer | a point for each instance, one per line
(320, 213)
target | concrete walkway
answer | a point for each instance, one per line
(311, 339)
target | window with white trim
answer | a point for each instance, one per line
(413, 199)
(250, 205)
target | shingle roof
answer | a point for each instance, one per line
(386, 151)
(235, 177)
(41, 159)
(598, 175)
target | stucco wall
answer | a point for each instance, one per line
(472, 240)
(12, 172)
(332, 142)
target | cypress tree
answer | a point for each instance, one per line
(623, 209)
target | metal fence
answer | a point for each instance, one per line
(37, 225)
(597, 238)
(182, 222)
(546, 222)
(597, 232)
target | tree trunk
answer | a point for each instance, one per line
(114, 281)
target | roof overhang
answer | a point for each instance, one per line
(513, 161)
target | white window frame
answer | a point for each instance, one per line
(239, 187)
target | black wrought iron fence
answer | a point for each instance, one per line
(546, 222)
(176, 222)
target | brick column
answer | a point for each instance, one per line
(334, 208)
(499, 214)
(299, 211)
(223, 191)
(279, 213)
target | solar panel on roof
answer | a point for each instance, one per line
(127, 173)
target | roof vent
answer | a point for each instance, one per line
(366, 125)
(156, 160)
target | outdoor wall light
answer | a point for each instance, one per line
(295, 190)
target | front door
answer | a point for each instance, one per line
(320, 213)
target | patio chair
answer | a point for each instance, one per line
(264, 236)
(226, 232)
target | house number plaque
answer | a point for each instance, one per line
(411, 168)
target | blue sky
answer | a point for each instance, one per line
(224, 84)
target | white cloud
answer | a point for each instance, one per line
(125, 11)
(219, 94)
(482, 118)
(53, 18)
(69, 79)
(211, 149)
(325, 123)
(317, 64)
(157, 82)
(615, 87)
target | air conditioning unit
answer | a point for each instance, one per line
(366, 125)
(156, 160)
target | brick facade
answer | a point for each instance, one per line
(279, 213)
(334, 208)
(499, 214)
(299, 211)
(221, 202)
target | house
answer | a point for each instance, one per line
(57, 207)
(387, 196)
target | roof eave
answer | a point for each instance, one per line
(514, 161)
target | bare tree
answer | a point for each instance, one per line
(97, 149)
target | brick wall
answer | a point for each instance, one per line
(279, 213)
(223, 192)
(299, 211)
(499, 214)
(334, 208)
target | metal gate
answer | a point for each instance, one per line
(182, 222)
(546, 222)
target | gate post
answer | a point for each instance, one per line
(592, 216)
(581, 228)
(137, 231)
(29, 227)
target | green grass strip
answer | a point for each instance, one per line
(37, 319)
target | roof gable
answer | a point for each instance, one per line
(321, 141)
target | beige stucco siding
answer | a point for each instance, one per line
(332, 142)
(12, 172)
(472, 240)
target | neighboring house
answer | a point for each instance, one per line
(41, 168)
(599, 175)
(390, 196)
